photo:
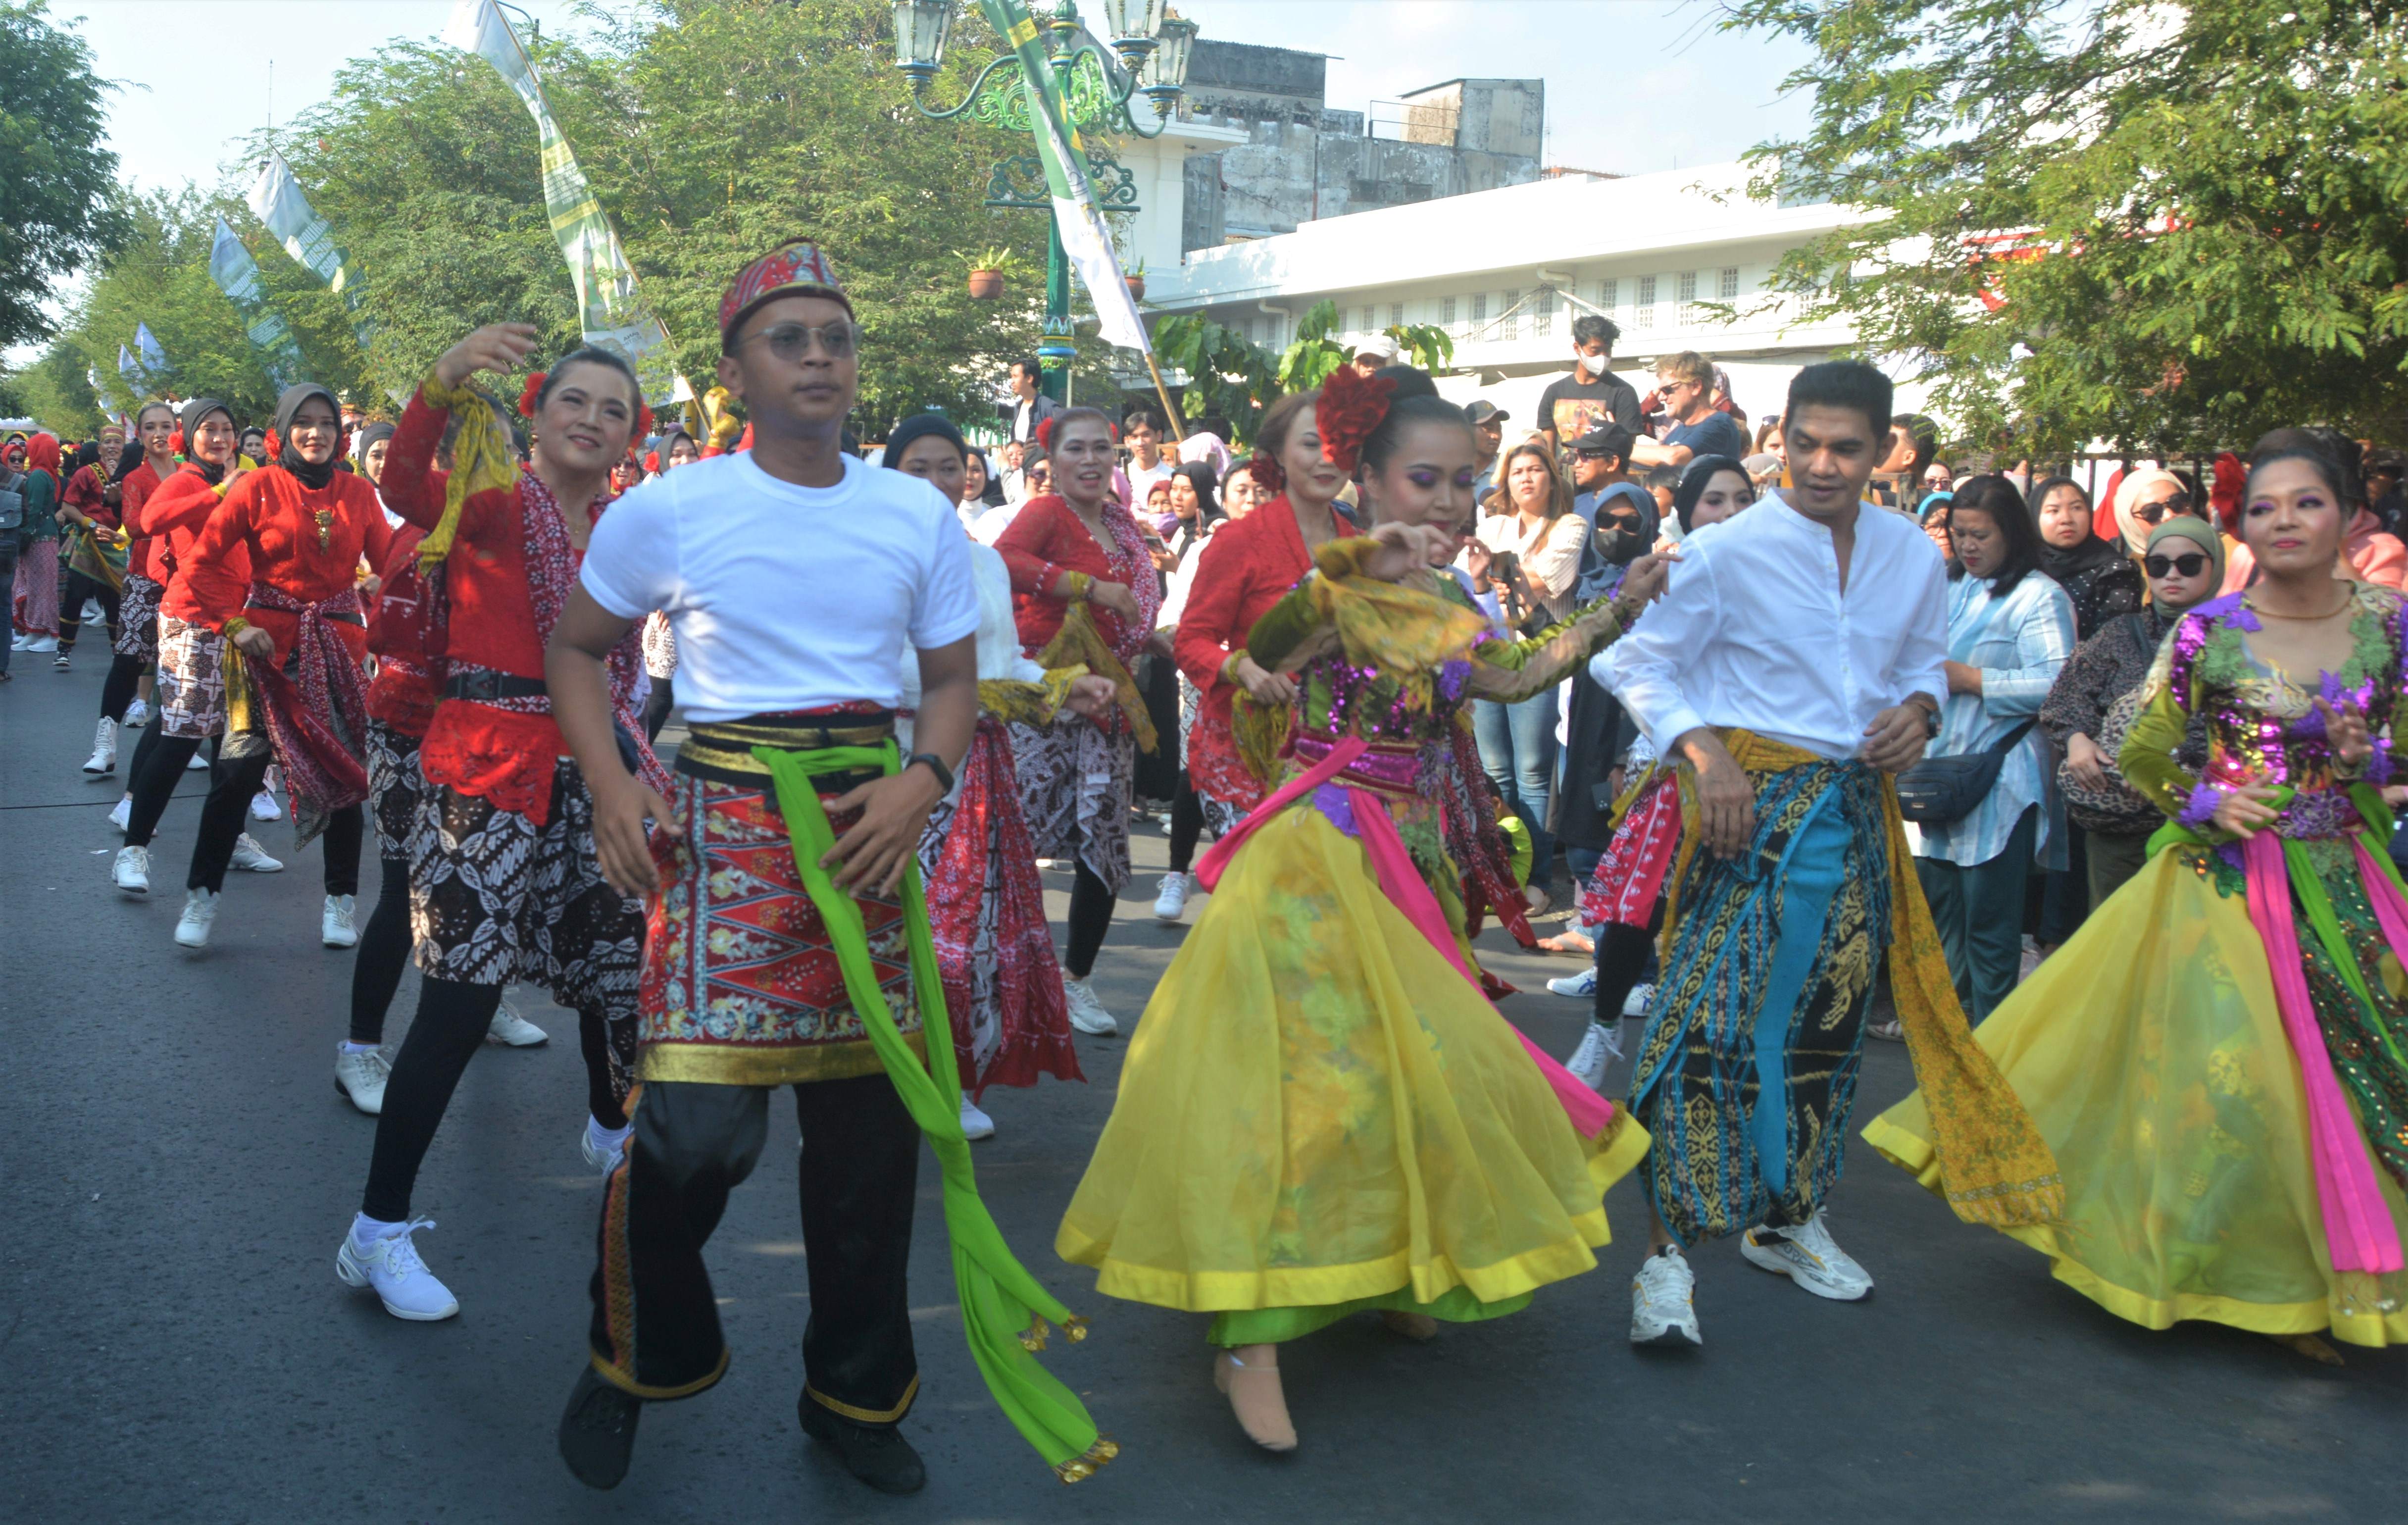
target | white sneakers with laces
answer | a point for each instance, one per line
(361, 1077)
(1663, 1300)
(103, 760)
(122, 816)
(1580, 987)
(200, 914)
(1172, 901)
(1599, 1046)
(252, 858)
(1088, 1013)
(1808, 1257)
(264, 808)
(1640, 998)
(388, 1263)
(511, 1031)
(975, 1124)
(198, 762)
(137, 714)
(336, 927)
(131, 872)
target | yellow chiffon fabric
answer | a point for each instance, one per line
(1317, 1108)
(2150, 1053)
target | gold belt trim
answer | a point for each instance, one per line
(729, 747)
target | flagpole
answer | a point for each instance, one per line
(1177, 435)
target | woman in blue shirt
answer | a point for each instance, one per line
(2009, 630)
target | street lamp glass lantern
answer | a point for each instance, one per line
(922, 28)
(1165, 70)
(1133, 20)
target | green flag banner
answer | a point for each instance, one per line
(276, 200)
(610, 309)
(237, 275)
(1086, 241)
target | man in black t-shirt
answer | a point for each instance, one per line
(1592, 396)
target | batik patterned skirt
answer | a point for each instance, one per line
(191, 679)
(1075, 781)
(394, 789)
(1629, 878)
(986, 914)
(138, 619)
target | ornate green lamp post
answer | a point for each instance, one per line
(1153, 51)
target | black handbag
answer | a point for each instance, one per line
(1940, 791)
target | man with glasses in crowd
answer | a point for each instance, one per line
(1694, 425)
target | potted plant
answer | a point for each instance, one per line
(988, 267)
(1135, 279)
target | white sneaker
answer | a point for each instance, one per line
(1173, 898)
(603, 1150)
(91, 612)
(264, 808)
(336, 928)
(122, 816)
(512, 1030)
(975, 1124)
(1599, 1046)
(137, 714)
(1636, 1003)
(198, 762)
(251, 858)
(45, 644)
(1808, 1257)
(20, 642)
(360, 1076)
(391, 1265)
(103, 760)
(1088, 1013)
(131, 872)
(1052, 863)
(1664, 1301)
(1580, 987)
(200, 914)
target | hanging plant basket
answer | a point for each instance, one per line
(1136, 286)
(986, 285)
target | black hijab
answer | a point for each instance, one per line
(288, 405)
(1694, 478)
(2063, 563)
(195, 413)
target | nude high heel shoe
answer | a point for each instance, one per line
(1255, 1397)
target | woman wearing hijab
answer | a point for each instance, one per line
(986, 905)
(2092, 704)
(35, 605)
(275, 572)
(2100, 576)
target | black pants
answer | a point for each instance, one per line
(453, 1016)
(1091, 918)
(384, 954)
(117, 690)
(656, 1328)
(658, 705)
(1186, 824)
(1621, 954)
(232, 784)
(79, 588)
(158, 767)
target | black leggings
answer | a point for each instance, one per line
(79, 588)
(1186, 824)
(658, 705)
(1621, 961)
(452, 1019)
(117, 690)
(232, 784)
(1091, 918)
(158, 767)
(385, 953)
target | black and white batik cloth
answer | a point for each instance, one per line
(137, 620)
(395, 787)
(1075, 786)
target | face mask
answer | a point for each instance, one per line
(1593, 364)
(1619, 546)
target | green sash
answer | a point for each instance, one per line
(999, 1298)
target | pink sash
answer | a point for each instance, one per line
(1402, 884)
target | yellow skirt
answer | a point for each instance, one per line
(1317, 1108)
(2149, 1052)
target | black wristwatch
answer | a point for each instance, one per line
(936, 766)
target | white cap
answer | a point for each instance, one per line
(1379, 346)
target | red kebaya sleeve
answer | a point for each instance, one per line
(1026, 548)
(1208, 628)
(217, 569)
(84, 494)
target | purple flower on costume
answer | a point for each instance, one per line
(1331, 800)
(2200, 813)
(1451, 675)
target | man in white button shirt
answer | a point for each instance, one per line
(1793, 662)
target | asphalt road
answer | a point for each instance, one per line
(175, 1168)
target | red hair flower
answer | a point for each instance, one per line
(533, 391)
(652, 462)
(2230, 477)
(643, 418)
(1045, 434)
(1350, 406)
(1267, 473)
(176, 440)
(275, 447)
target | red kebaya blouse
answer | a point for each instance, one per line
(273, 518)
(1249, 565)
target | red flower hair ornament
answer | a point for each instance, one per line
(275, 447)
(176, 440)
(1267, 473)
(1350, 406)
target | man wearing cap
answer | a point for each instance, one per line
(1488, 437)
(785, 944)
(1374, 350)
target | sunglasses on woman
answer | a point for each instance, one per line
(2190, 564)
(2150, 513)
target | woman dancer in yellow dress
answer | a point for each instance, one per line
(2217, 1056)
(1321, 1114)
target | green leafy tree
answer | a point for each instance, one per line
(1315, 352)
(59, 201)
(1226, 374)
(2167, 228)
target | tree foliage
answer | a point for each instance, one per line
(1226, 373)
(711, 130)
(2166, 227)
(59, 201)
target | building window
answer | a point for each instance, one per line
(1731, 283)
(1684, 298)
(1479, 308)
(1370, 324)
(1446, 312)
(1512, 319)
(1607, 292)
(1543, 315)
(1397, 313)
(1645, 314)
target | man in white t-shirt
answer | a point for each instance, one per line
(795, 578)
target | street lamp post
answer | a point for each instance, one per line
(1097, 88)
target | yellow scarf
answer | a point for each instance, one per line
(482, 457)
